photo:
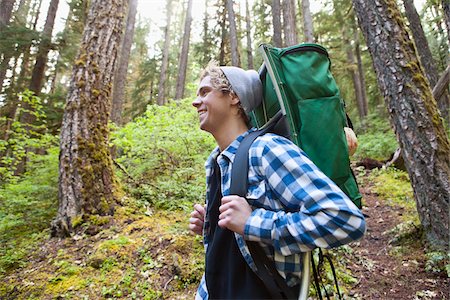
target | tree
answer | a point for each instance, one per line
(44, 47)
(5, 13)
(276, 22)
(413, 113)
(446, 8)
(235, 61)
(165, 57)
(290, 31)
(426, 58)
(181, 80)
(120, 77)
(249, 37)
(307, 22)
(87, 185)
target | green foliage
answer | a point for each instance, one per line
(27, 205)
(164, 152)
(24, 140)
(377, 141)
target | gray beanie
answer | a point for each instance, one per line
(247, 86)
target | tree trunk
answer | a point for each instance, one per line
(413, 112)
(362, 78)
(223, 32)
(446, 8)
(290, 31)
(307, 22)
(87, 184)
(206, 42)
(5, 12)
(181, 81)
(276, 21)
(120, 76)
(165, 58)
(426, 58)
(44, 47)
(233, 34)
(249, 37)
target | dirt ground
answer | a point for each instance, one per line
(387, 268)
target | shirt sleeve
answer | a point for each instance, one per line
(320, 214)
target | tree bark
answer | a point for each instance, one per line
(446, 8)
(6, 12)
(223, 43)
(276, 21)
(235, 61)
(120, 76)
(413, 113)
(181, 81)
(426, 58)
(362, 78)
(165, 58)
(308, 27)
(87, 184)
(290, 31)
(37, 75)
(249, 37)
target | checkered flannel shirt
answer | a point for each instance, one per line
(296, 208)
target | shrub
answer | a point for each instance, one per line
(164, 153)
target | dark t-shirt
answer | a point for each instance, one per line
(227, 274)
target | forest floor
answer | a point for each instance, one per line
(150, 255)
(389, 262)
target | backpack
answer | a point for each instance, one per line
(308, 97)
(304, 106)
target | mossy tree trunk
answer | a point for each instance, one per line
(413, 113)
(87, 185)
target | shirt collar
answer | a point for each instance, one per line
(230, 151)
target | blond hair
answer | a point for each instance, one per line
(221, 83)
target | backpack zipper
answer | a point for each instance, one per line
(307, 48)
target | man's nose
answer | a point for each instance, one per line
(196, 102)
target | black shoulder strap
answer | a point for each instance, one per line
(266, 269)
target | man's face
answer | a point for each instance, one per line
(213, 106)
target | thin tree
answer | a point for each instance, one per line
(181, 80)
(37, 75)
(446, 8)
(362, 79)
(249, 37)
(308, 27)
(120, 77)
(289, 22)
(426, 58)
(165, 58)
(276, 21)
(235, 61)
(87, 184)
(413, 113)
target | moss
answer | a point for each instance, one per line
(77, 221)
(99, 220)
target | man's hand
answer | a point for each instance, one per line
(234, 213)
(197, 219)
(352, 141)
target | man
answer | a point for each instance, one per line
(291, 206)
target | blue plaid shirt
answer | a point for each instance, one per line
(296, 208)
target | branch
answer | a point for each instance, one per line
(442, 84)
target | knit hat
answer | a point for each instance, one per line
(247, 86)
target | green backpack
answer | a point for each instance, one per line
(307, 95)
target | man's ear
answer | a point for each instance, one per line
(234, 99)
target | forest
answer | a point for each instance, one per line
(102, 158)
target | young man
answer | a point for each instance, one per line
(291, 206)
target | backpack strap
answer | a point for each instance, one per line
(266, 269)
